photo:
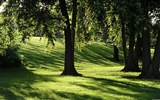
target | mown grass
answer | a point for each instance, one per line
(102, 80)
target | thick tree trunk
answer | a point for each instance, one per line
(131, 59)
(69, 68)
(146, 56)
(155, 70)
(116, 55)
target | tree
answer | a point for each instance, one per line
(36, 16)
(69, 68)
(131, 64)
(150, 67)
(124, 39)
(127, 20)
(115, 55)
(9, 57)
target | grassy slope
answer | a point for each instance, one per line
(102, 79)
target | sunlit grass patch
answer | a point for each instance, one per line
(102, 79)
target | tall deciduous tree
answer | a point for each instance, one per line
(38, 16)
(146, 56)
(150, 67)
(125, 9)
(69, 68)
(131, 64)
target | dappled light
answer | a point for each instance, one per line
(24, 84)
(101, 80)
(79, 50)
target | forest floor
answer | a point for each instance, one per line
(102, 79)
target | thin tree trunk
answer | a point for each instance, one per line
(73, 27)
(69, 68)
(124, 41)
(74, 16)
(138, 51)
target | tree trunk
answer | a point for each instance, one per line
(138, 51)
(146, 56)
(69, 68)
(124, 41)
(131, 59)
(74, 16)
(155, 71)
(116, 56)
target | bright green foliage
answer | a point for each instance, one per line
(9, 33)
(115, 34)
(9, 37)
(36, 17)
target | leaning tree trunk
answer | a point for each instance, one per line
(69, 68)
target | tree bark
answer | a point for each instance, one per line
(74, 16)
(124, 41)
(69, 68)
(155, 71)
(146, 56)
(116, 56)
(138, 50)
(131, 58)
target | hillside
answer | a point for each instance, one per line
(102, 80)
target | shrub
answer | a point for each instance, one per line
(10, 58)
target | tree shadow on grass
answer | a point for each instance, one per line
(74, 96)
(118, 88)
(97, 54)
(18, 84)
(15, 84)
(34, 57)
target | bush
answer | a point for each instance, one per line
(10, 58)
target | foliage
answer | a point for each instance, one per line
(115, 33)
(36, 18)
(10, 59)
(91, 23)
(9, 37)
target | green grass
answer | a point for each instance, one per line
(102, 79)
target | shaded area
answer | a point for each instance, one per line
(36, 56)
(139, 91)
(97, 54)
(16, 84)
(74, 96)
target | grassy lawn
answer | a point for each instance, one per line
(101, 80)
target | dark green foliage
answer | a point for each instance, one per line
(10, 58)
